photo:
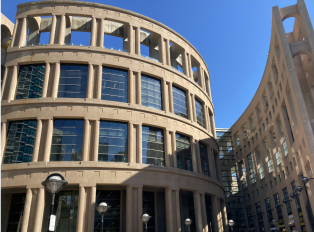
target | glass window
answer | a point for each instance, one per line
(268, 210)
(184, 156)
(67, 140)
(249, 216)
(65, 209)
(204, 159)
(73, 81)
(209, 212)
(149, 207)
(20, 142)
(153, 151)
(279, 211)
(260, 216)
(30, 82)
(284, 146)
(113, 215)
(151, 92)
(287, 201)
(251, 169)
(200, 113)
(187, 210)
(16, 212)
(114, 85)
(113, 142)
(179, 102)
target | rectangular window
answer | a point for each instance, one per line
(187, 209)
(259, 216)
(67, 140)
(204, 159)
(283, 174)
(151, 92)
(257, 192)
(287, 201)
(113, 142)
(114, 85)
(184, 157)
(249, 216)
(284, 146)
(251, 168)
(261, 172)
(200, 113)
(73, 81)
(65, 209)
(279, 177)
(16, 212)
(248, 197)
(30, 81)
(268, 210)
(271, 184)
(270, 166)
(279, 211)
(153, 151)
(149, 207)
(20, 142)
(179, 102)
(275, 181)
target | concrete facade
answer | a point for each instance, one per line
(274, 139)
(168, 54)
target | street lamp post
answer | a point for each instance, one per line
(102, 209)
(231, 224)
(145, 218)
(188, 223)
(53, 184)
(275, 223)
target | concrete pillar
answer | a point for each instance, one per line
(137, 41)
(96, 140)
(56, 80)
(14, 35)
(91, 219)
(23, 34)
(62, 30)
(131, 87)
(37, 140)
(48, 140)
(198, 156)
(27, 209)
(165, 96)
(101, 33)
(169, 210)
(174, 148)
(3, 139)
(171, 108)
(139, 144)
(167, 142)
(39, 209)
(81, 210)
(5, 75)
(94, 32)
(138, 88)
(216, 214)
(193, 107)
(167, 47)
(208, 87)
(211, 164)
(193, 154)
(99, 80)
(13, 84)
(139, 209)
(53, 29)
(131, 155)
(190, 66)
(129, 214)
(161, 50)
(204, 214)
(224, 216)
(189, 106)
(178, 218)
(46, 81)
(131, 47)
(89, 93)
(198, 212)
(185, 63)
(86, 140)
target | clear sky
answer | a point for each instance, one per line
(233, 37)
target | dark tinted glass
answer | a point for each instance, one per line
(67, 140)
(184, 157)
(268, 210)
(73, 81)
(153, 146)
(149, 207)
(30, 82)
(204, 159)
(260, 216)
(20, 142)
(16, 212)
(200, 113)
(251, 168)
(179, 102)
(151, 92)
(114, 85)
(187, 210)
(113, 142)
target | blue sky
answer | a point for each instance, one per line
(232, 36)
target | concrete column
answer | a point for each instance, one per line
(167, 142)
(3, 138)
(62, 30)
(169, 211)
(131, 87)
(14, 32)
(81, 210)
(90, 81)
(208, 86)
(131, 155)
(101, 33)
(5, 75)
(96, 140)
(27, 209)
(139, 209)
(198, 156)
(131, 39)
(46, 81)
(185, 63)
(39, 209)
(137, 41)
(165, 97)
(193, 107)
(168, 59)
(193, 154)
(174, 148)
(204, 214)
(211, 164)
(224, 216)
(189, 106)
(91, 219)
(53, 29)
(23, 34)
(138, 88)
(139, 144)
(161, 50)
(56, 80)
(37, 140)
(99, 80)
(190, 66)
(216, 215)
(171, 108)
(129, 214)
(48, 140)
(93, 33)
(86, 140)
(198, 212)
(13, 84)
(178, 218)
